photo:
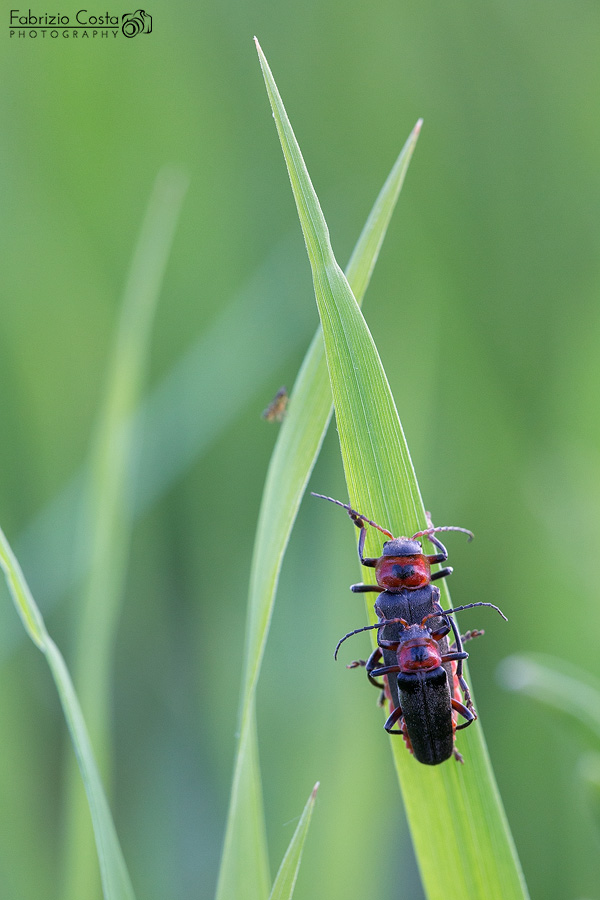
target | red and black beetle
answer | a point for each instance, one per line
(404, 577)
(402, 563)
(424, 696)
(425, 699)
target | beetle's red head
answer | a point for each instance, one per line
(420, 654)
(403, 570)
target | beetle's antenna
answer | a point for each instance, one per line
(437, 615)
(380, 624)
(355, 515)
(446, 612)
(433, 529)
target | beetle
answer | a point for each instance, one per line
(404, 576)
(402, 563)
(425, 694)
(427, 701)
(413, 606)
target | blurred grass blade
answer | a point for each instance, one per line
(244, 867)
(473, 850)
(108, 515)
(572, 693)
(285, 881)
(557, 684)
(294, 455)
(116, 884)
(176, 425)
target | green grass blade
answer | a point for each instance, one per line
(285, 881)
(473, 850)
(303, 430)
(552, 681)
(294, 455)
(109, 515)
(116, 884)
(245, 860)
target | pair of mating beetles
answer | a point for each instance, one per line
(412, 642)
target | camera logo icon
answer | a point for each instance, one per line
(138, 22)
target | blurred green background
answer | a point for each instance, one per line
(484, 306)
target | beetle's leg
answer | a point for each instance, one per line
(356, 663)
(370, 665)
(467, 636)
(452, 657)
(466, 692)
(443, 554)
(392, 719)
(443, 573)
(385, 670)
(375, 657)
(364, 588)
(441, 632)
(458, 678)
(457, 756)
(462, 710)
(365, 560)
(387, 645)
(361, 523)
(458, 648)
(429, 533)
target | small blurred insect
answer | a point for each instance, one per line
(275, 411)
(425, 695)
